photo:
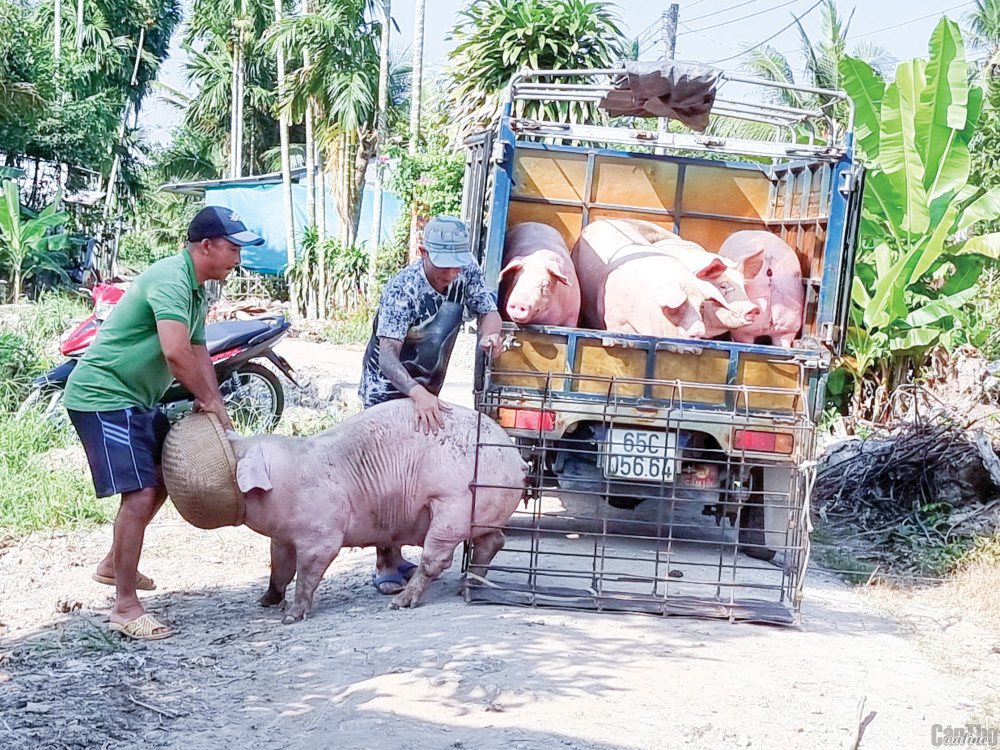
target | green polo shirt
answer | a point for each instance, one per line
(125, 365)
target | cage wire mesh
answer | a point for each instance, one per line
(702, 532)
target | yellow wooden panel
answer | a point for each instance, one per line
(643, 183)
(555, 176)
(756, 371)
(609, 362)
(533, 352)
(727, 192)
(711, 233)
(569, 221)
(708, 367)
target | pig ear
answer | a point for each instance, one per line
(713, 294)
(713, 270)
(671, 297)
(253, 468)
(752, 264)
(514, 265)
(560, 277)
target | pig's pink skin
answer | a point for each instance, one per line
(725, 275)
(538, 282)
(776, 287)
(636, 288)
(375, 481)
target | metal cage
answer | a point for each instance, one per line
(722, 533)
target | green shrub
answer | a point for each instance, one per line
(45, 479)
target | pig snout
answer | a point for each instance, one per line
(738, 314)
(520, 312)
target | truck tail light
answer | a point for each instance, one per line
(526, 419)
(764, 442)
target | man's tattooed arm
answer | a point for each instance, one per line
(392, 367)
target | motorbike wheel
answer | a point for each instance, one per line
(254, 399)
(48, 403)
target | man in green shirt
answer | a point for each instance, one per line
(156, 333)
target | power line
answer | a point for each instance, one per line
(706, 37)
(724, 10)
(750, 15)
(778, 33)
(912, 20)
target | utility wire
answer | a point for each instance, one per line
(778, 33)
(706, 37)
(750, 15)
(912, 20)
(724, 10)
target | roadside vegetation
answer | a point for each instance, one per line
(43, 470)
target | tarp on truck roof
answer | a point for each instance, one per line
(666, 88)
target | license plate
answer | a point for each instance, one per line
(640, 454)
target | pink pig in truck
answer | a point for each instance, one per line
(669, 474)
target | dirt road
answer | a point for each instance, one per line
(451, 675)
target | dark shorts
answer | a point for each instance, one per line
(123, 447)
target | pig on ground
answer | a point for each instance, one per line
(375, 481)
(776, 287)
(538, 283)
(636, 288)
(728, 276)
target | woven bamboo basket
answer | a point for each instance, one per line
(199, 470)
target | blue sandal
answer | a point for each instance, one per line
(407, 569)
(379, 581)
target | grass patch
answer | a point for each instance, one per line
(977, 579)
(348, 328)
(44, 478)
(829, 552)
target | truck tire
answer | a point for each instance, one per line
(763, 517)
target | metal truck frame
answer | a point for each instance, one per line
(637, 444)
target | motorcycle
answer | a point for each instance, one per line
(253, 394)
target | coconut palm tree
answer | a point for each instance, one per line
(822, 58)
(235, 75)
(497, 38)
(343, 80)
(983, 26)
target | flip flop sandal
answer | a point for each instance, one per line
(379, 581)
(407, 569)
(142, 583)
(142, 628)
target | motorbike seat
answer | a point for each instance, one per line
(230, 334)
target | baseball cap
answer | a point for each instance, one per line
(447, 242)
(219, 221)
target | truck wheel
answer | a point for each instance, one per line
(763, 519)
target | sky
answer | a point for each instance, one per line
(709, 31)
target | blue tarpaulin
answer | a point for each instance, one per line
(261, 208)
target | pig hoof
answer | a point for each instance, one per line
(271, 599)
(290, 618)
(405, 599)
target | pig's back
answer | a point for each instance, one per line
(395, 470)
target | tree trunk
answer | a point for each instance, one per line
(365, 149)
(234, 111)
(383, 106)
(286, 164)
(321, 231)
(79, 25)
(57, 30)
(417, 76)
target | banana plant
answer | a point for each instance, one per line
(25, 247)
(918, 265)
